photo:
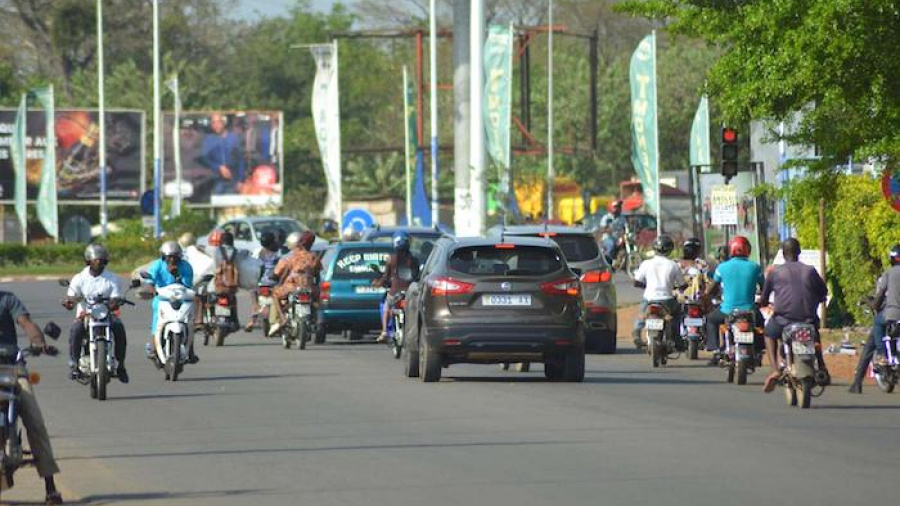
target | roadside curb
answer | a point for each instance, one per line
(20, 279)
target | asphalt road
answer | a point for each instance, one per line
(337, 424)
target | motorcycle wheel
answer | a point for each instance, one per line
(742, 372)
(218, 337)
(729, 378)
(302, 334)
(396, 350)
(175, 360)
(93, 386)
(654, 350)
(320, 334)
(884, 383)
(692, 350)
(265, 327)
(806, 392)
(102, 376)
(790, 394)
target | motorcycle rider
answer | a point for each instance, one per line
(168, 269)
(690, 259)
(95, 281)
(660, 276)
(202, 265)
(400, 258)
(299, 269)
(798, 291)
(612, 224)
(738, 278)
(12, 311)
(886, 303)
(269, 256)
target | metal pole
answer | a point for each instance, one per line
(176, 147)
(656, 136)
(406, 146)
(461, 122)
(551, 173)
(101, 141)
(432, 46)
(594, 56)
(157, 214)
(822, 266)
(477, 157)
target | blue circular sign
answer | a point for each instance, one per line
(357, 219)
(147, 203)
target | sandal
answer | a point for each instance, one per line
(770, 382)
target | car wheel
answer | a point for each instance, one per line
(411, 361)
(320, 334)
(429, 362)
(603, 343)
(573, 366)
(553, 371)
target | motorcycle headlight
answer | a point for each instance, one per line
(99, 312)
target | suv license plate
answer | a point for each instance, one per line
(743, 337)
(693, 322)
(506, 300)
(655, 324)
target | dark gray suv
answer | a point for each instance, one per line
(597, 285)
(486, 301)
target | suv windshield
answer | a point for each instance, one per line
(419, 245)
(516, 261)
(357, 263)
(577, 247)
(286, 226)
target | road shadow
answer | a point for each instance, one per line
(157, 496)
(271, 342)
(157, 396)
(863, 407)
(245, 377)
(522, 378)
(660, 380)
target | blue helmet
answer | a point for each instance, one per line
(400, 241)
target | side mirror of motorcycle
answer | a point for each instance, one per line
(51, 329)
(144, 275)
(135, 283)
(206, 279)
(63, 282)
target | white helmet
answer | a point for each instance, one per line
(293, 239)
(170, 248)
(187, 239)
(350, 234)
(95, 252)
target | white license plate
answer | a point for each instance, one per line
(370, 289)
(694, 322)
(223, 310)
(264, 301)
(303, 309)
(743, 337)
(655, 324)
(807, 348)
(506, 300)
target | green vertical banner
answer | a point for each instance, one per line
(700, 135)
(498, 98)
(47, 211)
(643, 120)
(20, 166)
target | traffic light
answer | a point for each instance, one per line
(729, 152)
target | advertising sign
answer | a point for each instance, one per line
(723, 204)
(228, 159)
(744, 206)
(77, 156)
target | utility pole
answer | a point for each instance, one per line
(476, 117)
(461, 123)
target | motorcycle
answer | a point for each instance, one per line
(657, 323)
(300, 319)
(741, 356)
(265, 300)
(98, 363)
(222, 314)
(626, 255)
(13, 367)
(800, 375)
(171, 340)
(396, 323)
(693, 328)
(886, 365)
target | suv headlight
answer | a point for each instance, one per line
(99, 312)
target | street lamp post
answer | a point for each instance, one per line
(551, 172)
(101, 141)
(157, 128)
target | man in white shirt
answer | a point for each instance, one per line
(659, 277)
(94, 282)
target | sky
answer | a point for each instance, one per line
(249, 8)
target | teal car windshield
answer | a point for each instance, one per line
(359, 263)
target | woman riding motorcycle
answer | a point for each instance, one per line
(399, 259)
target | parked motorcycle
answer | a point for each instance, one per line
(658, 336)
(800, 376)
(886, 365)
(171, 341)
(300, 319)
(13, 367)
(741, 356)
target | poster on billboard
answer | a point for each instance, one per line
(228, 159)
(77, 154)
(716, 206)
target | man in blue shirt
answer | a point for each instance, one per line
(739, 278)
(222, 154)
(170, 268)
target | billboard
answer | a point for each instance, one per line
(741, 210)
(228, 159)
(77, 156)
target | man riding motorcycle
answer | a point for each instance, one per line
(886, 303)
(94, 281)
(12, 311)
(659, 277)
(170, 268)
(798, 291)
(298, 269)
(738, 277)
(400, 258)
(613, 227)
(269, 255)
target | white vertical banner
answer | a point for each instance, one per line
(327, 121)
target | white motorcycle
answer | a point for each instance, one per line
(173, 336)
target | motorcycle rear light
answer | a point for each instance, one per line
(222, 300)
(565, 286)
(743, 326)
(303, 298)
(596, 277)
(264, 291)
(694, 312)
(654, 310)
(401, 304)
(452, 342)
(450, 286)
(325, 292)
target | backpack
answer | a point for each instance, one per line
(227, 274)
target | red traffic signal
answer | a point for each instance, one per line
(729, 135)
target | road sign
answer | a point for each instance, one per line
(723, 205)
(357, 219)
(76, 229)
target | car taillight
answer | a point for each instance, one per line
(504, 245)
(596, 277)
(264, 291)
(566, 286)
(743, 325)
(325, 291)
(449, 286)
(694, 312)
(222, 300)
(303, 298)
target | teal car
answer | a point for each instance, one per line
(348, 301)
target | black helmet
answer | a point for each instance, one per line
(691, 248)
(663, 245)
(895, 254)
(400, 240)
(227, 238)
(268, 240)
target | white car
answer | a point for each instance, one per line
(248, 229)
